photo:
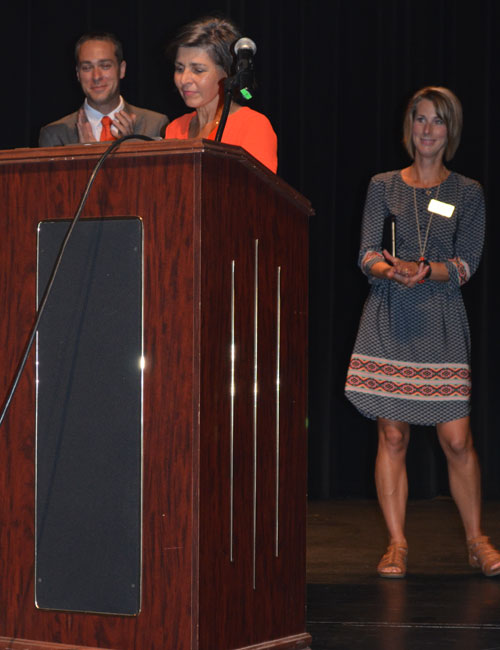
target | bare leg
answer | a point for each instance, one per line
(390, 475)
(465, 486)
(463, 471)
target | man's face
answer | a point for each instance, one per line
(99, 74)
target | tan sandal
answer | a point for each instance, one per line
(484, 556)
(393, 562)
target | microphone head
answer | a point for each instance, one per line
(245, 43)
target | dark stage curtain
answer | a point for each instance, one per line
(334, 77)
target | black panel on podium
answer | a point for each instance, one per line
(89, 418)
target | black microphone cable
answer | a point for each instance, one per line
(57, 264)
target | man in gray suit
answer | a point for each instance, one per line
(99, 69)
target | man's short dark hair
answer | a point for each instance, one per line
(100, 36)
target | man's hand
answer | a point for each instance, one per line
(85, 133)
(124, 123)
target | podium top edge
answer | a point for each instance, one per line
(134, 148)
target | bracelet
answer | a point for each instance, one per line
(422, 260)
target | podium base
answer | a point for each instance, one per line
(24, 644)
(296, 642)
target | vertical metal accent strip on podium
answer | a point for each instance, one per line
(232, 388)
(255, 403)
(278, 366)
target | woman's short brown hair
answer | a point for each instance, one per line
(448, 108)
(214, 34)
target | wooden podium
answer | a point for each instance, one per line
(221, 473)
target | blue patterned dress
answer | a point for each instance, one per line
(411, 359)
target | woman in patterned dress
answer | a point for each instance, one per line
(411, 359)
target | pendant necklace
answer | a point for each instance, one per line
(422, 247)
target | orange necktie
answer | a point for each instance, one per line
(106, 129)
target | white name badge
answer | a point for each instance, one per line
(443, 209)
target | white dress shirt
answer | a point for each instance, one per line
(95, 117)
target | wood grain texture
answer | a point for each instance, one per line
(232, 223)
(23, 644)
(202, 206)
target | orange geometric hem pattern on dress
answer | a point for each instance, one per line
(371, 375)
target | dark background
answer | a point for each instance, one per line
(334, 77)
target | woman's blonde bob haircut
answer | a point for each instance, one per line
(448, 108)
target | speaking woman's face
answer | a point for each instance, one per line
(197, 77)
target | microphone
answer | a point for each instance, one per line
(244, 49)
(243, 80)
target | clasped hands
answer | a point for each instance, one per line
(123, 122)
(407, 273)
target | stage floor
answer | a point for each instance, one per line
(442, 604)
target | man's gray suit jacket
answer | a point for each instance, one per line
(64, 131)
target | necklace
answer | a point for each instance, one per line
(194, 126)
(422, 247)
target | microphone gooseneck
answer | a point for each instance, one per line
(243, 79)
